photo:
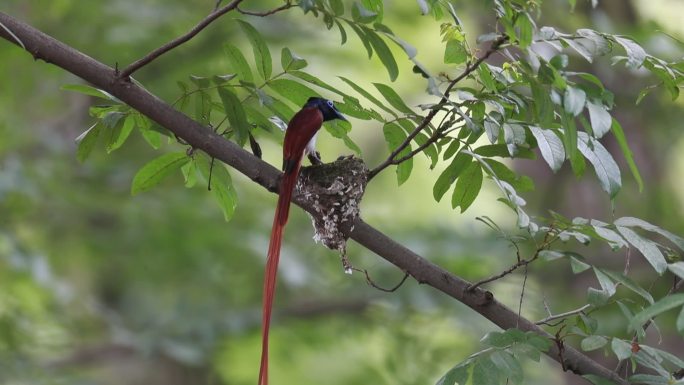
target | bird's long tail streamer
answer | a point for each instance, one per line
(279, 220)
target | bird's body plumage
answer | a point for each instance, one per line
(299, 138)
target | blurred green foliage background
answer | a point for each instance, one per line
(98, 287)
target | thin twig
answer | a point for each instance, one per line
(393, 289)
(348, 268)
(445, 98)
(549, 238)
(283, 7)
(563, 315)
(521, 262)
(147, 59)
(522, 295)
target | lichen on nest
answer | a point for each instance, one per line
(333, 191)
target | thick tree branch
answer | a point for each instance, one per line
(44, 47)
(147, 59)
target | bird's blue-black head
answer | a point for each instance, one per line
(327, 108)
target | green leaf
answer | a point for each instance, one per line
(551, 147)
(362, 36)
(536, 341)
(600, 118)
(606, 169)
(120, 133)
(646, 247)
(543, 105)
(508, 364)
(585, 52)
(626, 152)
(320, 83)
(525, 29)
(394, 135)
(486, 373)
(629, 283)
(607, 285)
(221, 185)
(587, 324)
(343, 33)
(636, 55)
(614, 239)
(337, 7)
(503, 339)
(236, 115)
(622, 349)
(677, 268)
(296, 92)
(362, 15)
(669, 302)
(646, 358)
(262, 55)
(222, 79)
(453, 147)
(680, 322)
(367, 95)
(649, 379)
(90, 91)
(393, 98)
(577, 264)
(514, 137)
(456, 375)
(86, 141)
(636, 222)
(384, 53)
(593, 342)
(351, 145)
(375, 6)
(151, 133)
(467, 186)
(290, 61)
(455, 52)
(570, 143)
(200, 81)
(501, 150)
(112, 118)
(449, 175)
(156, 170)
(424, 8)
(574, 100)
(503, 173)
(238, 63)
(486, 77)
(596, 297)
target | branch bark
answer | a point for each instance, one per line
(46, 48)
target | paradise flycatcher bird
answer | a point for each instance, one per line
(300, 139)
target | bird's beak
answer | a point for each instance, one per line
(339, 115)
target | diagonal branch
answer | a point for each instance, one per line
(44, 47)
(496, 44)
(147, 59)
(288, 4)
